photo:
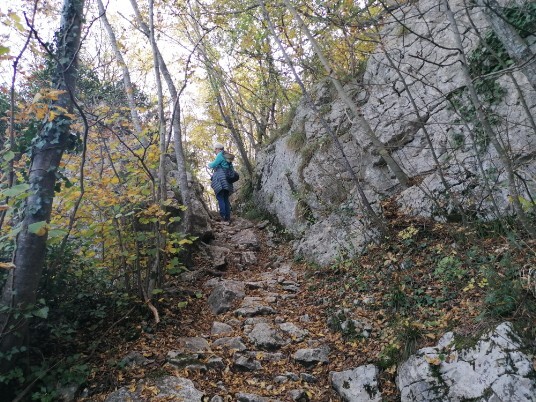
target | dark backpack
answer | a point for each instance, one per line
(230, 174)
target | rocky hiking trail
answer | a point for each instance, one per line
(250, 331)
(249, 323)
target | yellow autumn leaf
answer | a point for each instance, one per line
(7, 265)
(38, 228)
(61, 109)
(40, 113)
(54, 94)
(392, 369)
(52, 116)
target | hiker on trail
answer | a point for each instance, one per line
(219, 183)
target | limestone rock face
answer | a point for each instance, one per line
(301, 177)
(495, 369)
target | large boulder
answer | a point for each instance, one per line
(495, 369)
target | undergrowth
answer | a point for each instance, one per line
(76, 305)
(428, 278)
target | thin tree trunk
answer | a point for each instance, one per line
(161, 119)
(230, 125)
(357, 115)
(20, 289)
(122, 257)
(10, 169)
(155, 272)
(488, 131)
(175, 124)
(514, 44)
(378, 222)
(216, 80)
(129, 88)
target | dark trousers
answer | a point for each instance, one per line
(224, 204)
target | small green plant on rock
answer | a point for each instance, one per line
(389, 356)
(296, 140)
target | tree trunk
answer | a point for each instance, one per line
(129, 88)
(161, 119)
(230, 125)
(156, 270)
(216, 80)
(175, 124)
(19, 292)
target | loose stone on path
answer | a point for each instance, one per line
(265, 337)
(311, 357)
(225, 295)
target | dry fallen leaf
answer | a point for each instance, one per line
(7, 265)
(434, 361)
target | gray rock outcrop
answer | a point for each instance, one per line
(265, 337)
(301, 177)
(495, 369)
(246, 239)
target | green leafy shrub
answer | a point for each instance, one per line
(504, 292)
(389, 356)
(449, 269)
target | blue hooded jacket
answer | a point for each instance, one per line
(218, 181)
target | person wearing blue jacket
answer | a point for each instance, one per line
(219, 183)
